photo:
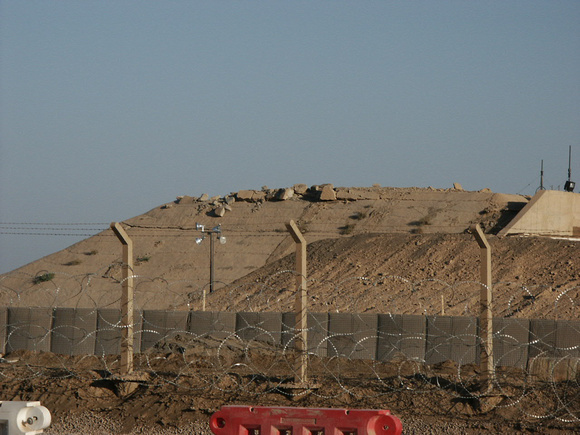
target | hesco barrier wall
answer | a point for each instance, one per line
(383, 337)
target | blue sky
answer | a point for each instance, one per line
(111, 108)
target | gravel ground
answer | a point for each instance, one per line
(93, 424)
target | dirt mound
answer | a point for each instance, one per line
(412, 274)
(253, 224)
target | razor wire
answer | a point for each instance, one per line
(368, 337)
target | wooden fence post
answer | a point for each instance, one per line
(301, 303)
(486, 309)
(126, 300)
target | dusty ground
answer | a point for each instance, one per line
(409, 274)
(177, 393)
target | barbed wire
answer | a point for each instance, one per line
(100, 229)
(68, 326)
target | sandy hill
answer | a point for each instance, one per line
(415, 233)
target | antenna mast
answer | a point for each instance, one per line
(569, 162)
(569, 185)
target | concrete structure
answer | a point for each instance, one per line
(549, 213)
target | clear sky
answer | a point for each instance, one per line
(111, 108)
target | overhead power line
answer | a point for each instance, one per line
(46, 234)
(100, 224)
(77, 229)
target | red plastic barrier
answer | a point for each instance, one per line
(262, 420)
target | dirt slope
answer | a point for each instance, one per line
(411, 274)
(168, 260)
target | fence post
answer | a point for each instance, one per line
(126, 300)
(301, 302)
(486, 309)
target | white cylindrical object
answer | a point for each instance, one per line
(24, 417)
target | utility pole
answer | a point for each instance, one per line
(215, 230)
(211, 263)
